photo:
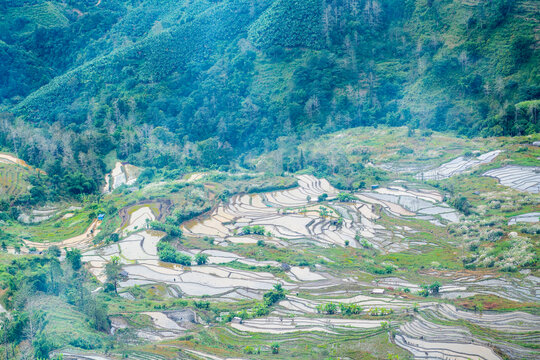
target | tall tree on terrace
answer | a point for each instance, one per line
(112, 271)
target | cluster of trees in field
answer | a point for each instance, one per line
(167, 83)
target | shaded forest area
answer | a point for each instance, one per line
(197, 83)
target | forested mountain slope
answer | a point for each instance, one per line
(175, 83)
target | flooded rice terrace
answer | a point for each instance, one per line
(295, 218)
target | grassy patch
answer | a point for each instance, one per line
(67, 326)
(495, 303)
(56, 229)
(442, 256)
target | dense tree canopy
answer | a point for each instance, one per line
(168, 83)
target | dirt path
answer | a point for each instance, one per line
(80, 241)
(12, 159)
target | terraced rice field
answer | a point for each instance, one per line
(438, 333)
(449, 343)
(531, 218)
(37, 215)
(139, 219)
(458, 166)
(82, 241)
(521, 178)
(277, 325)
(138, 253)
(293, 218)
(289, 225)
(13, 174)
(301, 306)
(12, 180)
(467, 284)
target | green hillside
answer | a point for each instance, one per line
(149, 77)
(269, 179)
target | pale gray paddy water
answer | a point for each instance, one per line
(426, 340)
(413, 203)
(512, 289)
(429, 340)
(521, 178)
(419, 206)
(457, 166)
(533, 217)
(201, 280)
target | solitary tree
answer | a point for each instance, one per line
(112, 271)
(74, 258)
(54, 251)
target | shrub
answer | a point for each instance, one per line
(322, 197)
(346, 197)
(434, 287)
(208, 239)
(387, 269)
(168, 253)
(350, 309)
(365, 244)
(532, 230)
(183, 259)
(243, 314)
(255, 229)
(328, 308)
(462, 204)
(170, 229)
(380, 311)
(205, 305)
(273, 296)
(42, 347)
(74, 258)
(54, 251)
(405, 150)
(261, 310)
(201, 258)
